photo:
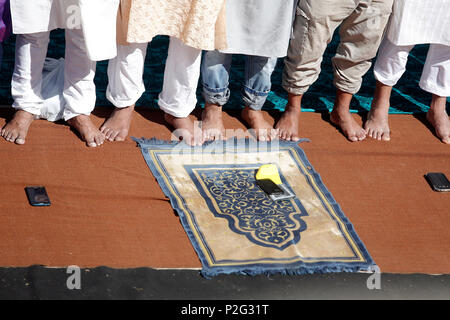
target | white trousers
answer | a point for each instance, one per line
(79, 88)
(182, 72)
(392, 60)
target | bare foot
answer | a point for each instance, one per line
(116, 128)
(377, 124)
(351, 129)
(88, 131)
(287, 126)
(264, 130)
(17, 129)
(212, 123)
(185, 130)
(441, 123)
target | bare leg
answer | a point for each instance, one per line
(17, 129)
(88, 131)
(185, 129)
(264, 130)
(377, 124)
(438, 117)
(116, 128)
(342, 117)
(212, 123)
(288, 124)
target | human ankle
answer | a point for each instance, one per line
(22, 114)
(292, 108)
(438, 104)
(212, 107)
(341, 111)
(294, 101)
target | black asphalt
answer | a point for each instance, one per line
(38, 282)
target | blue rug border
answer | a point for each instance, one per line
(297, 268)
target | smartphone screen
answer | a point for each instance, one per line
(438, 181)
(269, 187)
(37, 196)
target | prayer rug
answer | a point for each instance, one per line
(236, 228)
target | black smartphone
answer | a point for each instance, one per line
(269, 187)
(438, 181)
(37, 196)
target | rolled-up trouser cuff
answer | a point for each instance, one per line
(174, 109)
(432, 88)
(297, 91)
(348, 87)
(70, 114)
(125, 102)
(218, 96)
(125, 75)
(254, 99)
(35, 109)
(384, 79)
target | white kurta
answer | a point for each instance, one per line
(97, 18)
(420, 22)
(259, 27)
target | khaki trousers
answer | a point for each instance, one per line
(362, 25)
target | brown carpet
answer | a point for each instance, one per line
(108, 210)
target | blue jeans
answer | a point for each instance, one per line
(216, 74)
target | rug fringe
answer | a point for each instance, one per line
(209, 273)
(142, 142)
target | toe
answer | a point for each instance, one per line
(274, 134)
(262, 136)
(378, 135)
(113, 135)
(91, 144)
(386, 136)
(288, 136)
(352, 137)
(446, 138)
(361, 134)
(11, 137)
(206, 136)
(20, 141)
(121, 136)
(214, 135)
(108, 133)
(99, 139)
(218, 135)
